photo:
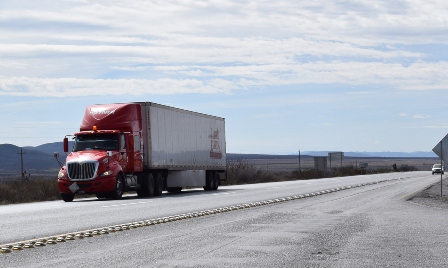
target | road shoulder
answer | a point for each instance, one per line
(431, 196)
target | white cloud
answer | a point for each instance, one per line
(46, 87)
(242, 43)
(233, 77)
(420, 116)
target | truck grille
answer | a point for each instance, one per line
(82, 170)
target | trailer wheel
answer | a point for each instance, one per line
(146, 188)
(67, 197)
(142, 183)
(215, 181)
(149, 184)
(118, 192)
(158, 185)
(208, 181)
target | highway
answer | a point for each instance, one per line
(358, 221)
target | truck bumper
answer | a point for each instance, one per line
(96, 186)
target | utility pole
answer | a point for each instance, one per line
(299, 162)
(21, 163)
(341, 158)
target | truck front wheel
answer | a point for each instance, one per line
(118, 192)
(67, 197)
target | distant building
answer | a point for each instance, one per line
(320, 162)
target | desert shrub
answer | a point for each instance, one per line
(306, 174)
(28, 191)
(405, 168)
(241, 172)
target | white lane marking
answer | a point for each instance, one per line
(127, 204)
(228, 193)
(224, 193)
(138, 203)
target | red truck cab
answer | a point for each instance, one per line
(106, 152)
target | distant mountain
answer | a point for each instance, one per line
(51, 148)
(375, 154)
(40, 159)
(34, 161)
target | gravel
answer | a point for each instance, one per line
(431, 196)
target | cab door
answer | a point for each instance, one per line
(131, 155)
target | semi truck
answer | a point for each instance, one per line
(144, 147)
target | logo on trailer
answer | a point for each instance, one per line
(215, 150)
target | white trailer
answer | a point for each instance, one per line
(188, 147)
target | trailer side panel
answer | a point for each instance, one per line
(177, 139)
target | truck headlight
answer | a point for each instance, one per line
(62, 175)
(107, 173)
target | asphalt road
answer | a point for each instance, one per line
(370, 225)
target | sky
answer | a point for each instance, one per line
(322, 75)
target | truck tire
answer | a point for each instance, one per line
(67, 197)
(142, 186)
(158, 185)
(149, 184)
(140, 192)
(215, 181)
(208, 181)
(118, 192)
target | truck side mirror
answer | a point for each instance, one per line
(65, 144)
(56, 155)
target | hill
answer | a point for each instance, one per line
(50, 148)
(376, 154)
(34, 161)
(40, 159)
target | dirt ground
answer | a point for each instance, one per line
(431, 196)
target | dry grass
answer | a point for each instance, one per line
(238, 172)
(243, 172)
(13, 192)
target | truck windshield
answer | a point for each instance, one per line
(107, 142)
